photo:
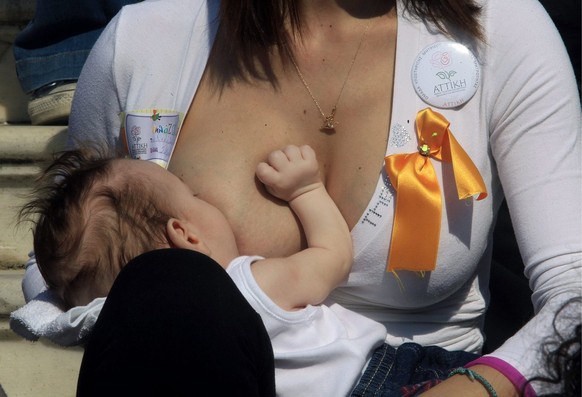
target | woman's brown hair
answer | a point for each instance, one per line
(249, 28)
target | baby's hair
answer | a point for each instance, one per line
(90, 220)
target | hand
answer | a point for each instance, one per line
(290, 172)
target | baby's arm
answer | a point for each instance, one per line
(307, 277)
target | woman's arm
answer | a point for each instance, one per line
(533, 108)
(95, 110)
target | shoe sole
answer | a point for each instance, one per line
(53, 108)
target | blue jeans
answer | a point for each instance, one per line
(56, 43)
(408, 369)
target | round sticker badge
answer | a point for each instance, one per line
(446, 74)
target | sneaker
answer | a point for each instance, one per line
(51, 104)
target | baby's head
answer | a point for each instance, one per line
(93, 217)
(96, 212)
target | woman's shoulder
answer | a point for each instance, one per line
(520, 38)
(173, 13)
(163, 8)
(513, 15)
(158, 28)
(161, 19)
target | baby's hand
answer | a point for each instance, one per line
(290, 172)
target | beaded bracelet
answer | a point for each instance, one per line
(475, 376)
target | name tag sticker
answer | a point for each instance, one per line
(446, 74)
(151, 135)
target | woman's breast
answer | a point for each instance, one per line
(223, 139)
(222, 172)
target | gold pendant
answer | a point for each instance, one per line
(329, 122)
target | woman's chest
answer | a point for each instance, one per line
(225, 136)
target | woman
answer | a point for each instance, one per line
(350, 79)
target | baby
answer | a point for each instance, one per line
(96, 213)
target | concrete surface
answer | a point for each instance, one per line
(23, 150)
(32, 369)
(27, 369)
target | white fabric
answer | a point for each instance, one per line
(44, 317)
(319, 350)
(521, 129)
(33, 283)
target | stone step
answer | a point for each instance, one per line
(24, 143)
(11, 297)
(27, 369)
(23, 150)
(35, 369)
(30, 369)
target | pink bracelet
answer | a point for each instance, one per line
(514, 376)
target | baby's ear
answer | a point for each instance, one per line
(181, 235)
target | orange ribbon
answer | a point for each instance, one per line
(417, 221)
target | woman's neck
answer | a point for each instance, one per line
(339, 9)
(339, 17)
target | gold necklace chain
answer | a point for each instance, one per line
(329, 122)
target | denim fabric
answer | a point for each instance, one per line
(392, 372)
(56, 43)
